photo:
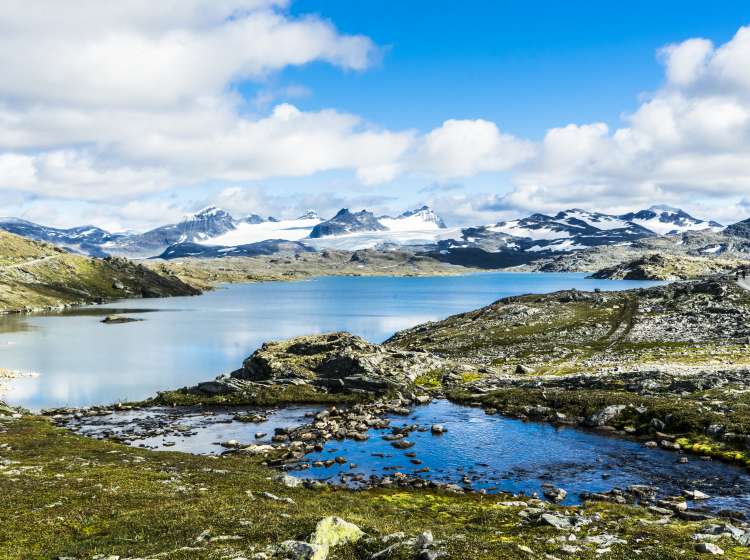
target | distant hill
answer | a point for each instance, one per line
(36, 275)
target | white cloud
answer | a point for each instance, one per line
(688, 144)
(686, 62)
(72, 174)
(156, 54)
(461, 148)
(106, 103)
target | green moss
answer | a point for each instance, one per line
(470, 377)
(430, 380)
(271, 396)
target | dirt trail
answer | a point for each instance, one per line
(28, 263)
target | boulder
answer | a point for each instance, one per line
(605, 415)
(709, 548)
(553, 494)
(300, 550)
(336, 362)
(330, 532)
(557, 521)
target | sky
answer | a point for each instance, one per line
(130, 115)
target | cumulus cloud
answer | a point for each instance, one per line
(157, 54)
(461, 148)
(688, 144)
(139, 98)
(105, 103)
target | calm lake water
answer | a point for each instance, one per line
(80, 361)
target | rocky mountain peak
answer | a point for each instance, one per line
(309, 215)
(346, 221)
(425, 214)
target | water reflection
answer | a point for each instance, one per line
(185, 340)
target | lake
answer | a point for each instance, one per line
(81, 361)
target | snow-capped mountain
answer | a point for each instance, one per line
(252, 219)
(421, 219)
(345, 222)
(310, 215)
(665, 220)
(570, 230)
(245, 233)
(205, 224)
(83, 239)
(213, 232)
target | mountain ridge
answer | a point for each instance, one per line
(418, 229)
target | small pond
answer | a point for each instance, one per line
(493, 452)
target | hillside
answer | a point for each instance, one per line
(36, 275)
(207, 273)
(668, 267)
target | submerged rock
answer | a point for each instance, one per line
(117, 319)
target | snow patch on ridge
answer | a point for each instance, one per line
(244, 233)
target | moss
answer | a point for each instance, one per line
(38, 275)
(430, 380)
(271, 396)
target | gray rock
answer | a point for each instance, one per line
(553, 493)
(605, 415)
(695, 495)
(708, 548)
(300, 550)
(425, 540)
(288, 480)
(557, 521)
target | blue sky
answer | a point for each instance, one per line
(485, 110)
(527, 66)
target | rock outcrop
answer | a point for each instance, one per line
(667, 267)
(333, 362)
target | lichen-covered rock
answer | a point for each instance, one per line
(335, 362)
(333, 531)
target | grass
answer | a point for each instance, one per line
(35, 275)
(430, 380)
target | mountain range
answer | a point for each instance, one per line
(213, 232)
